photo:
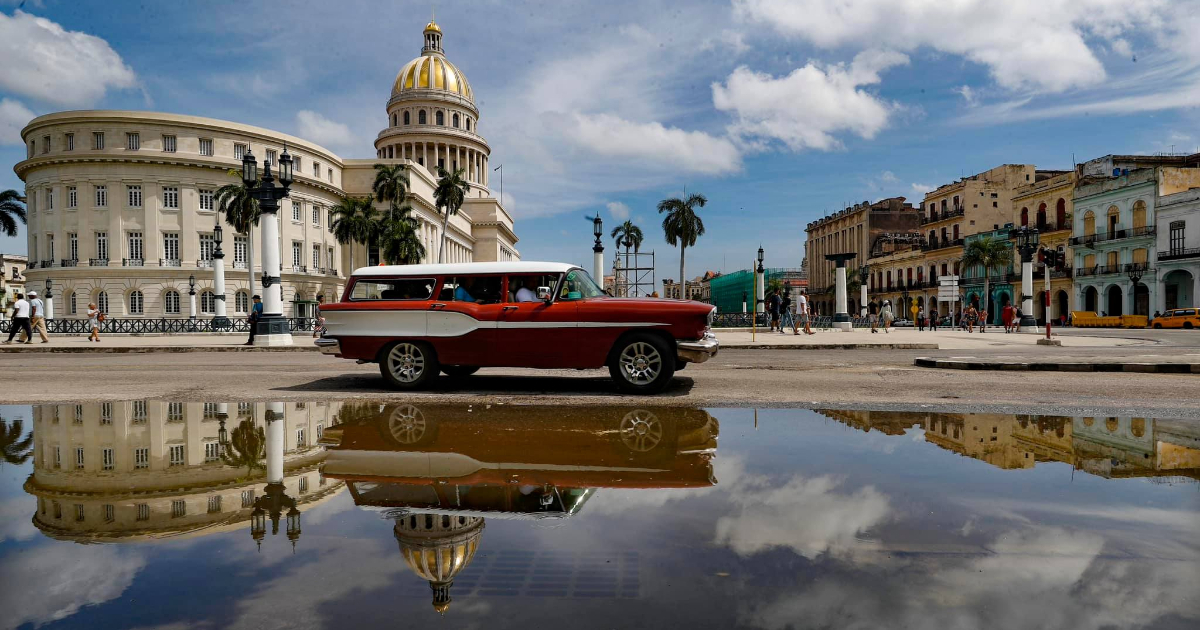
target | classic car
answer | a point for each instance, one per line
(418, 320)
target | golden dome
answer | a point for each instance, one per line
(432, 72)
(432, 26)
(437, 548)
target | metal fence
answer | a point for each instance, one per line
(169, 326)
(743, 320)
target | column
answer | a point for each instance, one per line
(220, 320)
(273, 328)
(1028, 323)
(275, 442)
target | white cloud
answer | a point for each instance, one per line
(808, 106)
(13, 118)
(968, 95)
(889, 177)
(14, 519)
(618, 210)
(648, 144)
(921, 189)
(56, 579)
(312, 126)
(46, 62)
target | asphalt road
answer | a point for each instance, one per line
(861, 379)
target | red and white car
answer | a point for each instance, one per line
(418, 320)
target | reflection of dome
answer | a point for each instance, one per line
(437, 547)
(431, 71)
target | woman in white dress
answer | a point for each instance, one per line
(94, 322)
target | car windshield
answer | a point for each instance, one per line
(578, 285)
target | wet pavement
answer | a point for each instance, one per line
(151, 514)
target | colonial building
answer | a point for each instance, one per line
(1046, 204)
(1003, 285)
(1178, 244)
(122, 204)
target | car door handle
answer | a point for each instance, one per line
(437, 305)
(509, 308)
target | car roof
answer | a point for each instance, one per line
(465, 268)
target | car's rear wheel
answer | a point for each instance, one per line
(408, 364)
(1187, 325)
(459, 371)
(642, 364)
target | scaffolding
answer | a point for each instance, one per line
(633, 274)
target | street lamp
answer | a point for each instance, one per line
(192, 296)
(761, 299)
(48, 303)
(598, 249)
(1133, 270)
(1027, 245)
(272, 328)
(864, 277)
(219, 321)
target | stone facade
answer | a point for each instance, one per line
(862, 229)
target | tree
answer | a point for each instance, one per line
(399, 242)
(990, 253)
(391, 185)
(17, 450)
(628, 234)
(355, 220)
(449, 195)
(247, 447)
(242, 213)
(682, 226)
(12, 209)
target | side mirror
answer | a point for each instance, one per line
(544, 294)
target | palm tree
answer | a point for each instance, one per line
(682, 226)
(449, 195)
(247, 447)
(391, 184)
(628, 234)
(355, 220)
(17, 451)
(242, 214)
(399, 242)
(12, 209)
(991, 253)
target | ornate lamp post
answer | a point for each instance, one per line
(1133, 270)
(274, 500)
(1027, 245)
(48, 303)
(864, 276)
(272, 328)
(192, 296)
(761, 289)
(598, 249)
(219, 321)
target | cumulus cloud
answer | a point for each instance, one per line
(650, 144)
(805, 108)
(46, 62)
(312, 126)
(921, 189)
(13, 118)
(618, 210)
(968, 95)
(55, 580)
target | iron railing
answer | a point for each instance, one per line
(148, 325)
(133, 262)
(68, 262)
(743, 320)
(1149, 230)
(97, 262)
(170, 262)
(942, 244)
(1180, 254)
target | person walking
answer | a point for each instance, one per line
(786, 319)
(969, 318)
(95, 317)
(20, 320)
(774, 301)
(803, 311)
(1006, 316)
(256, 312)
(921, 320)
(37, 317)
(319, 324)
(933, 319)
(873, 315)
(886, 315)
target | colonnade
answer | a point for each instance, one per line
(453, 155)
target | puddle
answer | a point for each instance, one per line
(330, 514)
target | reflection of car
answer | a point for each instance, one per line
(1188, 318)
(417, 320)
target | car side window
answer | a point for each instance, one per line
(477, 289)
(578, 285)
(524, 287)
(392, 289)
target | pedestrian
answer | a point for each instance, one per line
(969, 317)
(805, 314)
(319, 324)
(1006, 316)
(95, 317)
(786, 318)
(20, 320)
(886, 315)
(921, 320)
(873, 315)
(256, 312)
(37, 317)
(933, 320)
(774, 301)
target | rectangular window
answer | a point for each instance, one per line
(79, 457)
(1176, 235)
(329, 261)
(78, 414)
(139, 410)
(174, 412)
(72, 246)
(102, 245)
(210, 411)
(206, 146)
(169, 144)
(212, 451)
(110, 513)
(214, 504)
(178, 508)
(297, 210)
(132, 142)
(102, 196)
(109, 459)
(171, 245)
(297, 257)
(141, 457)
(300, 443)
(240, 245)
(296, 164)
(72, 196)
(57, 457)
(303, 485)
(271, 157)
(106, 413)
(176, 454)
(171, 197)
(316, 256)
(49, 198)
(135, 196)
(208, 245)
(79, 511)
(135, 245)
(70, 141)
(239, 151)
(207, 200)
(143, 512)
(45, 144)
(98, 140)
(329, 172)
(247, 498)
(399, 289)
(317, 169)
(57, 510)
(50, 245)
(316, 214)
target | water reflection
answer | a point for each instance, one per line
(439, 472)
(1109, 446)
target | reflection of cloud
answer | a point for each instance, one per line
(807, 515)
(14, 519)
(53, 581)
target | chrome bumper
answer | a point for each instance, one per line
(328, 346)
(697, 351)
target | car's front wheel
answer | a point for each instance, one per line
(642, 364)
(408, 364)
(1158, 326)
(1187, 325)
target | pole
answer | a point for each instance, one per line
(275, 446)
(273, 328)
(754, 311)
(1047, 300)
(220, 321)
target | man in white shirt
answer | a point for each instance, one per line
(20, 320)
(37, 317)
(802, 311)
(527, 292)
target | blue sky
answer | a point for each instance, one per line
(778, 110)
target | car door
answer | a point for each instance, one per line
(538, 334)
(464, 333)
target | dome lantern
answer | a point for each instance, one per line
(433, 38)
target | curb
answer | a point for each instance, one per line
(1068, 366)
(833, 346)
(153, 349)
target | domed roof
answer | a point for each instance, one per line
(432, 26)
(432, 72)
(437, 548)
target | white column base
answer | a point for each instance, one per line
(1033, 330)
(273, 340)
(843, 326)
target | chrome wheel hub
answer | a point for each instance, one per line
(407, 424)
(640, 363)
(641, 430)
(406, 362)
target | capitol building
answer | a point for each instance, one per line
(122, 205)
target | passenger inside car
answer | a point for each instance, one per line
(480, 290)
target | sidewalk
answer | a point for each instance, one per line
(908, 338)
(131, 344)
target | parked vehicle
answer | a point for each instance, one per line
(418, 320)
(1188, 318)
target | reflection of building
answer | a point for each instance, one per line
(119, 471)
(438, 472)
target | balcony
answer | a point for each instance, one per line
(940, 244)
(331, 271)
(299, 269)
(956, 211)
(239, 264)
(68, 263)
(46, 264)
(1117, 235)
(1099, 270)
(1044, 226)
(97, 262)
(204, 264)
(169, 262)
(133, 262)
(1180, 254)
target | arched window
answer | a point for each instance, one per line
(956, 231)
(468, 124)
(943, 205)
(421, 117)
(72, 306)
(171, 302)
(102, 301)
(406, 118)
(454, 121)
(241, 302)
(440, 117)
(1024, 216)
(1041, 216)
(1139, 214)
(207, 302)
(136, 302)
(1114, 217)
(1060, 213)
(1089, 223)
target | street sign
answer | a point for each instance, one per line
(947, 288)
